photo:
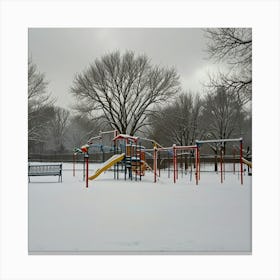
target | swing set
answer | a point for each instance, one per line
(195, 151)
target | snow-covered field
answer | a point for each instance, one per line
(132, 217)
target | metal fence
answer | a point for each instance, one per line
(97, 157)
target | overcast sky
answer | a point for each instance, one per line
(60, 53)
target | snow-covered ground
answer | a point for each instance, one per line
(128, 216)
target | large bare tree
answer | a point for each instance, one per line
(232, 46)
(123, 90)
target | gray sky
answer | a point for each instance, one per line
(60, 53)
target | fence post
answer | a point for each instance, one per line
(221, 164)
(155, 164)
(174, 163)
(196, 165)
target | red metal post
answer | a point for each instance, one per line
(241, 161)
(86, 157)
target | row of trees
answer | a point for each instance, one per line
(126, 92)
(215, 116)
(52, 128)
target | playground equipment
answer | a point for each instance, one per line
(174, 150)
(249, 165)
(247, 162)
(130, 157)
(222, 142)
(134, 157)
(91, 143)
(107, 164)
(195, 154)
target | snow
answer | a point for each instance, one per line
(125, 136)
(133, 216)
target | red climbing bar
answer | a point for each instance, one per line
(241, 161)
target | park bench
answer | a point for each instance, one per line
(45, 170)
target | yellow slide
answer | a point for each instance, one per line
(106, 165)
(247, 162)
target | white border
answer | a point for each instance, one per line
(17, 16)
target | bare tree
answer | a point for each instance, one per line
(222, 118)
(79, 130)
(37, 84)
(123, 90)
(38, 129)
(178, 123)
(222, 115)
(234, 47)
(38, 101)
(57, 128)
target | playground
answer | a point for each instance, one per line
(149, 200)
(129, 157)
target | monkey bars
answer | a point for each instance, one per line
(240, 140)
(174, 150)
(196, 148)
